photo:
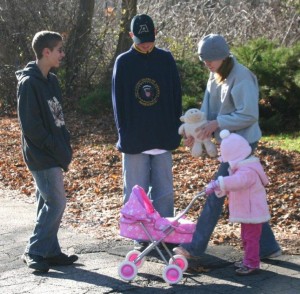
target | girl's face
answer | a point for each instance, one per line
(213, 65)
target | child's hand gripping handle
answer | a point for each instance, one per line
(212, 187)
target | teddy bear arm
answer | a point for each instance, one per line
(181, 130)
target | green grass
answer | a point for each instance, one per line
(289, 142)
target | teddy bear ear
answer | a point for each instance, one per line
(182, 118)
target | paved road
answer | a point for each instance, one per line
(97, 267)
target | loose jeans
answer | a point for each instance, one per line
(51, 203)
(154, 174)
(209, 217)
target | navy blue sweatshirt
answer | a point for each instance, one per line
(146, 96)
(45, 139)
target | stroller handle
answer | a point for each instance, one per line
(200, 194)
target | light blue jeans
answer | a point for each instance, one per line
(209, 217)
(153, 173)
(51, 203)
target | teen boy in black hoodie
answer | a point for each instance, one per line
(46, 148)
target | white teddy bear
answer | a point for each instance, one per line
(193, 119)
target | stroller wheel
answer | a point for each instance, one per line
(172, 274)
(179, 260)
(127, 270)
(132, 255)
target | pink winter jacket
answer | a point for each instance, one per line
(246, 192)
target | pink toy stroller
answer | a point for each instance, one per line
(140, 221)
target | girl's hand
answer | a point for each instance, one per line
(188, 141)
(212, 187)
(207, 130)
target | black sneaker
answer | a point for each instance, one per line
(35, 262)
(61, 259)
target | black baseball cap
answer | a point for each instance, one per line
(142, 27)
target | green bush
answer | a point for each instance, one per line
(276, 67)
(95, 102)
(193, 77)
(278, 71)
(8, 89)
(189, 102)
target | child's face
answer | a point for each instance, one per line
(213, 65)
(56, 55)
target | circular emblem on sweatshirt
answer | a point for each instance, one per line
(147, 92)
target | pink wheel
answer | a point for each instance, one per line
(127, 270)
(172, 274)
(179, 260)
(132, 255)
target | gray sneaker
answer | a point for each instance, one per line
(273, 255)
(35, 262)
(239, 264)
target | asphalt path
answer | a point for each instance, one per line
(97, 268)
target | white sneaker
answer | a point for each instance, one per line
(141, 246)
(181, 251)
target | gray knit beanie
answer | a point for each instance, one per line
(213, 47)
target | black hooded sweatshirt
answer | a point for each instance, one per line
(45, 139)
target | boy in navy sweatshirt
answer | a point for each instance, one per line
(146, 95)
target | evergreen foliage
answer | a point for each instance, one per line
(278, 71)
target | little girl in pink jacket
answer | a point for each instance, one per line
(245, 187)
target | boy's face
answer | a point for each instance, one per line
(145, 47)
(55, 56)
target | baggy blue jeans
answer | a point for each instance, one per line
(209, 217)
(153, 173)
(51, 203)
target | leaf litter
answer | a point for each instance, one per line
(94, 183)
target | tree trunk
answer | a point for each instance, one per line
(129, 10)
(76, 47)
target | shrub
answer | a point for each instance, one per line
(278, 71)
(8, 89)
(189, 102)
(193, 77)
(96, 102)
